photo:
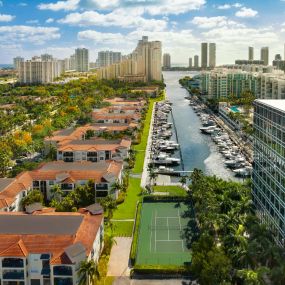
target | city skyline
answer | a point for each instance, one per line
(32, 27)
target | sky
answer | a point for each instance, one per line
(30, 27)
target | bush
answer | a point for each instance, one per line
(133, 253)
(168, 270)
(152, 198)
(121, 198)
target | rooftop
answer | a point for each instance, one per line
(276, 104)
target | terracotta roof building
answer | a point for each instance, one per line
(46, 247)
(93, 150)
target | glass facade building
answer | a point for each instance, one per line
(269, 165)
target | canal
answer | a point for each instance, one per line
(197, 150)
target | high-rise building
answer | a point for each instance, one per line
(166, 60)
(196, 61)
(212, 55)
(264, 55)
(81, 59)
(190, 62)
(106, 58)
(278, 62)
(269, 165)
(204, 55)
(250, 53)
(46, 57)
(72, 62)
(143, 64)
(38, 71)
(17, 60)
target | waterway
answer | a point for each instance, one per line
(197, 149)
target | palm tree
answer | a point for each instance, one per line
(57, 192)
(116, 186)
(183, 180)
(88, 272)
(253, 277)
(109, 205)
(152, 176)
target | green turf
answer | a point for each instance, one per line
(127, 210)
(161, 234)
(172, 190)
(140, 148)
(122, 228)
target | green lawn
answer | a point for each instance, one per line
(122, 228)
(127, 210)
(140, 148)
(172, 190)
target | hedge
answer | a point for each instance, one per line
(152, 198)
(166, 270)
(134, 247)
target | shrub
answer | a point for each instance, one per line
(152, 198)
(121, 198)
(133, 252)
(168, 270)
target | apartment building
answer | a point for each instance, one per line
(221, 82)
(269, 165)
(212, 55)
(66, 174)
(44, 247)
(204, 55)
(82, 59)
(93, 150)
(166, 61)
(17, 61)
(106, 58)
(143, 64)
(38, 71)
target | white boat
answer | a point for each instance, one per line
(243, 172)
(165, 159)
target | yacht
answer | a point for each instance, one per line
(164, 159)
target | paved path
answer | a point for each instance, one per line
(119, 258)
(124, 220)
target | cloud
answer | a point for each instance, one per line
(246, 13)
(224, 7)
(126, 18)
(237, 5)
(152, 7)
(28, 34)
(98, 37)
(22, 4)
(67, 5)
(212, 22)
(6, 18)
(49, 20)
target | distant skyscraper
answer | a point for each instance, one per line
(204, 55)
(264, 55)
(166, 60)
(46, 57)
(212, 55)
(106, 58)
(190, 62)
(196, 61)
(17, 60)
(250, 53)
(82, 59)
(72, 63)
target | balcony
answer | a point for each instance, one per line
(13, 275)
(12, 263)
(62, 271)
(63, 281)
(45, 271)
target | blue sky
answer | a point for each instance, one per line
(30, 27)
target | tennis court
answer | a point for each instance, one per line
(161, 234)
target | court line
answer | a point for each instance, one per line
(169, 240)
(155, 232)
(167, 229)
(179, 218)
(151, 232)
(167, 217)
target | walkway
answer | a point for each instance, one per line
(119, 258)
(127, 281)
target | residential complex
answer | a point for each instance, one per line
(221, 82)
(143, 64)
(190, 64)
(269, 165)
(81, 59)
(166, 61)
(42, 247)
(39, 71)
(106, 58)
